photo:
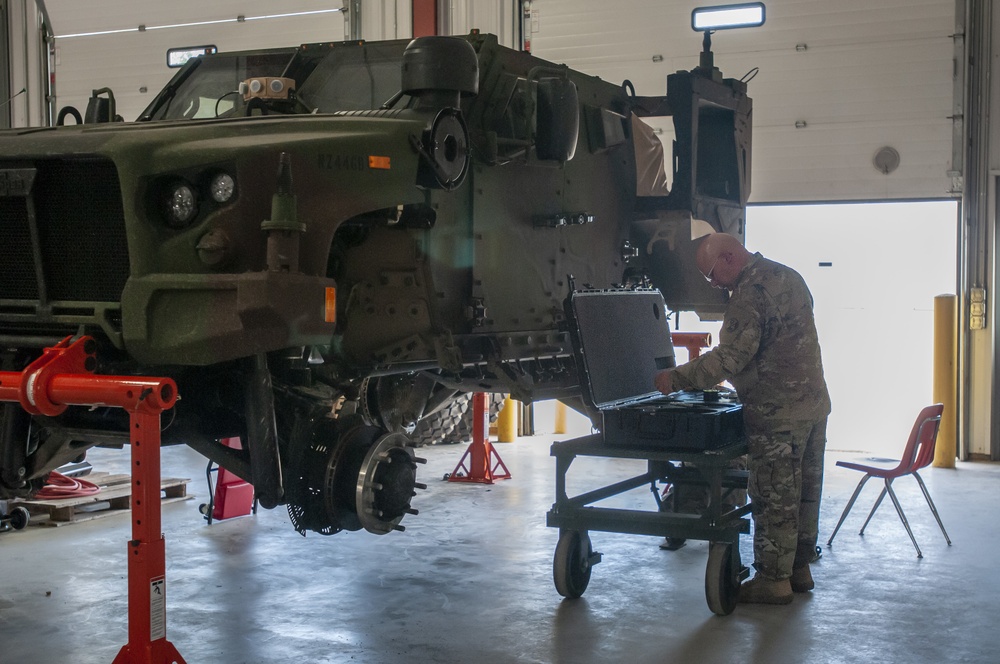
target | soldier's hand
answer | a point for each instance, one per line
(664, 381)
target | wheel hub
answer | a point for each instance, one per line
(354, 476)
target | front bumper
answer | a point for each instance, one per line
(203, 319)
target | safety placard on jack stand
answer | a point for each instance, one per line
(157, 608)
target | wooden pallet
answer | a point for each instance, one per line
(115, 498)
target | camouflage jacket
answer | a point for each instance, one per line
(768, 349)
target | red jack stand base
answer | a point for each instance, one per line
(484, 461)
(233, 496)
(157, 651)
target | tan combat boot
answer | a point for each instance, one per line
(760, 590)
(802, 579)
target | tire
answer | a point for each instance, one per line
(722, 584)
(436, 427)
(19, 518)
(571, 564)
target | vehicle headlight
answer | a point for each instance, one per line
(222, 187)
(182, 204)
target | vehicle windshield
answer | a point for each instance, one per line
(328, 78)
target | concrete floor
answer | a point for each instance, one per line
(471, 581)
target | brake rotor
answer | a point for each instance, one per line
(353, 476)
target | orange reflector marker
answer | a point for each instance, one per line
(331, 305)
(378, 162)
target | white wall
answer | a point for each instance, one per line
(498, 17)
(133, 63)
(870, 74)
(26, 67)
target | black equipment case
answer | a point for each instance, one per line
(622, 338)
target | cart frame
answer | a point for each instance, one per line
(718, 524)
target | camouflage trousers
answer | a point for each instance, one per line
(786, 482)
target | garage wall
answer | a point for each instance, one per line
(133, 63)
(856, 75)
(26, 52)
(5, 91)
(498, 17)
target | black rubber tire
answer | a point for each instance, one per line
(722, 584)
(436, 427)
(19, 518)
(571, 563)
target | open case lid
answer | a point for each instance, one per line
(622, 339)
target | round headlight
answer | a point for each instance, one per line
(182, 205)
(222, 187)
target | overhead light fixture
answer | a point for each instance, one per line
(726, 17)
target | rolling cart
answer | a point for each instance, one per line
(689, 440)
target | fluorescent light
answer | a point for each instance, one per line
(189, 25)
(315, 11)
(723, 17)
(99, 32)
(238, 19)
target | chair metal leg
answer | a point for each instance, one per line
(875, 507)
(850, 504)
(899, 510)
(930, 502)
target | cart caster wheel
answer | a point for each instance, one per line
(722, 577)
(572, 563)
(19, 518)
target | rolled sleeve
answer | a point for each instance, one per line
(738, 343)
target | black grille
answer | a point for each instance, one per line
(17, 276)
(81, 227)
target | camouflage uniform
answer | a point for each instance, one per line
(769, 350)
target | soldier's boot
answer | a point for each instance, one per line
(760, 590)
(802, 579)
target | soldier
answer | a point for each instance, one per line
(769, 350)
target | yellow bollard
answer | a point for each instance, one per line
(507, 421)
(560, 426)
(945, 380)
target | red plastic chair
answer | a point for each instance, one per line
(919, 452)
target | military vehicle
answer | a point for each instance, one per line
(329, 247)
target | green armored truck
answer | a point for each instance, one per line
(329, 247)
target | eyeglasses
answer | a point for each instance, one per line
(708, 276)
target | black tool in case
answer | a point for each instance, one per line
(622, 338)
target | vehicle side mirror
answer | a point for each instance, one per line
(557, 119)
(101, 109)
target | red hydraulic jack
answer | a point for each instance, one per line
(692, 341)
(233, 496)
(63, 376)
(483, 458)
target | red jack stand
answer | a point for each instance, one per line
(483, 458)
(233, 496)
(692, 341)
(62, 377)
